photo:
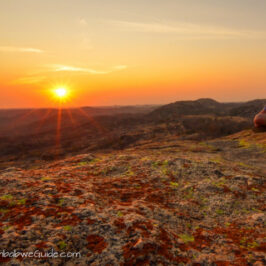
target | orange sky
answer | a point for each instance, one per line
(131, 52)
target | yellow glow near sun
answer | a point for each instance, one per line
(61, 92)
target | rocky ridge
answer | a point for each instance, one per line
(164, 202)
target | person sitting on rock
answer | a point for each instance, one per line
(260, 119)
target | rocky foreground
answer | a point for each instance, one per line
(169, 202)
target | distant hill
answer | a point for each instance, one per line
(206, 106)
(21, 121)
(34, 134)
(198, 107)
(248, 109)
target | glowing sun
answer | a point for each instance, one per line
(61, 93)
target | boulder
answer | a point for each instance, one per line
(260, 119)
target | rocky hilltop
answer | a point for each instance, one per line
(163, 201)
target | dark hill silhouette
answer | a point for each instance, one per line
(206, 106)
(248, 109)
(31, 134)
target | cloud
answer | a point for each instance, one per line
(82, 22)
(188, 30)
(30, 80)
(20, 49)
(57, 68)
(42, 75)
(120, 67)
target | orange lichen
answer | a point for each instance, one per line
(96, 243)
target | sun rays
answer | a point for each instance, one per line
(61, 119)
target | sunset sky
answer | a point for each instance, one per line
(120, 52)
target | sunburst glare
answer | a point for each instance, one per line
(61, 94)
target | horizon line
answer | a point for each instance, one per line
(121, 105)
